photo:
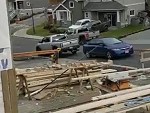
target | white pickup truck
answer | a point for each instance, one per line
(82, 33)
(62, 41)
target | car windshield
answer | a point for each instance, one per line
(58, 38)
(78, 23)
(111, 41)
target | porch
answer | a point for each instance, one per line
(105, 11)
(63, 18)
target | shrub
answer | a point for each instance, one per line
(54, 30)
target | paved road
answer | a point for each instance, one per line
(23, 44)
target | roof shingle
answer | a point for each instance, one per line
(103, 6)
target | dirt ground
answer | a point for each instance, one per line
(65, 97)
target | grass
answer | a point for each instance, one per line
(40, 31)
(119, 33)
(124, 31)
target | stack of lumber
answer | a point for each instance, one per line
(101, 102)
(32, 79)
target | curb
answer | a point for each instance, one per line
(22, 33)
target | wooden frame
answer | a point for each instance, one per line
(9, 91)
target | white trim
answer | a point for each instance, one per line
(135, 4)
(130, 11)
(118, 16)
(58, 14)
(86, 14)
(70, 3)
(62, 6)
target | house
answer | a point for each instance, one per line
(11, 9)
(22, 8)
(68, 12)
(119, 12)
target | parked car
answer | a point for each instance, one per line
(98, 25)
(80, 23)
(58, 41)
(107, 47)
(83, 34)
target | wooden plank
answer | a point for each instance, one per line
(13, 90)
(144, 60)
(34, 53)
(127, 67)
(45, 81)
(108, 71)
(103, 75)
(6, 92)
(120, 92)
(104, 102)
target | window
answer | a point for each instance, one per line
(85, 22)
(86, 15)
(132, 13)
(82, 30)
(95, 42)
(71, 4)
(45, 39)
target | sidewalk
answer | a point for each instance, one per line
(22, 33)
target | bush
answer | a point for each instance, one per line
(54, 30)
(61, 30)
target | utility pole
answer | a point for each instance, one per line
(33, 24)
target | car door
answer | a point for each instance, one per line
(45, 45)
(100, 49)
(92, 47)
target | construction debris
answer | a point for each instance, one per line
(34, 80)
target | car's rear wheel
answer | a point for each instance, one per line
(109, 55)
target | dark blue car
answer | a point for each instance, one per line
(107, 47)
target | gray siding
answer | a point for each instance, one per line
(128, 2)
(136, 5)
(94, 15)
(76, 12)
(36, 3)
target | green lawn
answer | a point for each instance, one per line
(123, 31)
(40, 31)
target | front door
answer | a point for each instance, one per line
(63, 16)
(113, 18)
